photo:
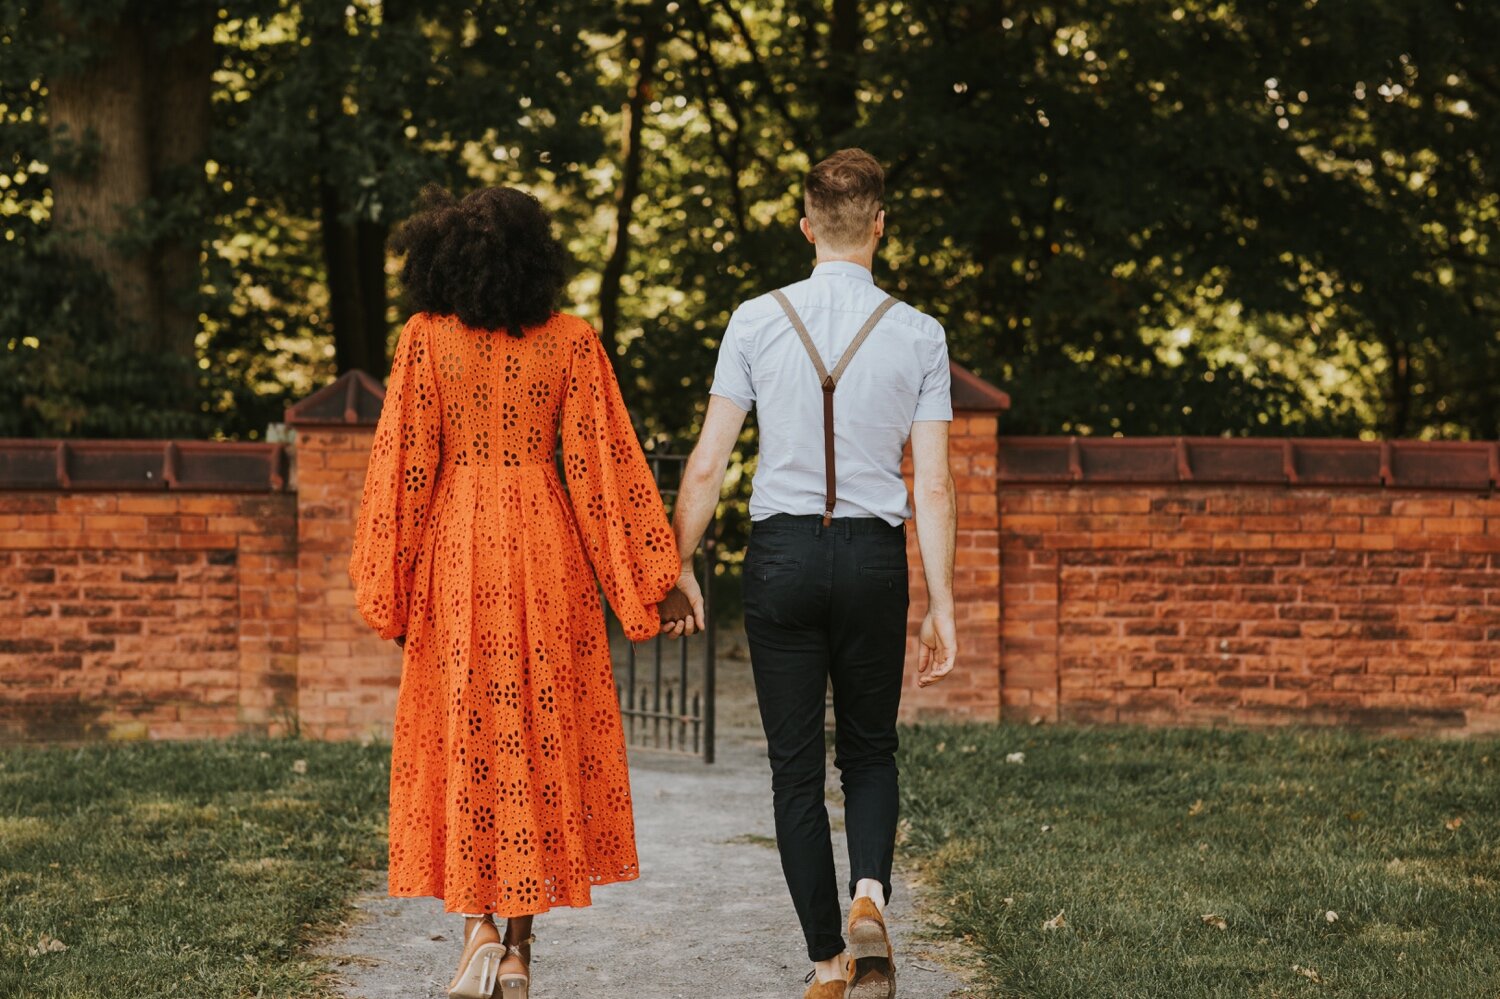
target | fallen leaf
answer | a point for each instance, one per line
(437, 936)
(46, 944)
(968, 749)
(1015, 757)
(1216, 921)
(1311, 974)
(1196, 808)
(940, 747)
(1331, 916)
(1056, 922)
(1046, 827)
(299, 766)
(1008, 900)
(1354, 816)
(1453, 823)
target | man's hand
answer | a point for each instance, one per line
(939, 648)
(688, 584)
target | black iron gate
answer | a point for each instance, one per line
(666, 685)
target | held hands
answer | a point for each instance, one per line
(682, 609)
(938, 648)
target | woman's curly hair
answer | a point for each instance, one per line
(490, 258)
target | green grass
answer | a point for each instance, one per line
(197, 870)
(1151, 830)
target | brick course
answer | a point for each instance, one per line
(1177, 603)
(124, 615)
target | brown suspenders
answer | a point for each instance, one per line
(831, 382)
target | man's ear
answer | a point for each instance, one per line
(880, 223)
(806, 228)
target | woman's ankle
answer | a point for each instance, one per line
(517, 930)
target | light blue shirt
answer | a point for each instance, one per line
(899, 376)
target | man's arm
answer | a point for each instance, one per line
(698, 497)
(937, 528)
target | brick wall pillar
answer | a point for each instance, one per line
(972, 692)
(347, 678)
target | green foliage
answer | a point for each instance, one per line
(1143, 839)
(1194, 217)
(62, 373)
(1139, 217)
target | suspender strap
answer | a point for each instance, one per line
(830, 381)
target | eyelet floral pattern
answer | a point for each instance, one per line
(509, 787)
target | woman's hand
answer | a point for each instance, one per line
(679, 620)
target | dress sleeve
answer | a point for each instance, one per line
(615, 499)
(398, 486)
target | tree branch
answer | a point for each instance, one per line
(647, 45)
(772, 94)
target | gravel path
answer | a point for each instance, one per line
(709, 918)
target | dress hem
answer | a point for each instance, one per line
(415, 893)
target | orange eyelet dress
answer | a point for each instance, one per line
(509, 787)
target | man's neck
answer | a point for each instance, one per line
(865, 260)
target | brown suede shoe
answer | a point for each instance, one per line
(872, 961)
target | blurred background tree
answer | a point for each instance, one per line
(1137, 216)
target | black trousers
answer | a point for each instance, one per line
(827, 603)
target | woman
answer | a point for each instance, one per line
(509, 789)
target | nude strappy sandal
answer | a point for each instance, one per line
(480, 973)
(517, 984)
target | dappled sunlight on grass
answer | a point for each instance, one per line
(1201, 863)
(193, 870)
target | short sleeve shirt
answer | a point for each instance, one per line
(899, 376)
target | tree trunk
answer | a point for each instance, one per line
(344, 257)
(647, 44)
(842, 111)
(104, 105)
(180, 117)
(836, 83)
(353, 248)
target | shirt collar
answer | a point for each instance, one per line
(843, 268)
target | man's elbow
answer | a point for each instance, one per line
(935, 492)
(703, 471)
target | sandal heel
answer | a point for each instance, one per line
(478, 978)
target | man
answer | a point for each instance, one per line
(826, 577)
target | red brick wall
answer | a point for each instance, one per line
(972, 691)
(134, 614)
(1178, 603)
(1083, 595)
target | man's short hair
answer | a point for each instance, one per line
(842, 197)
